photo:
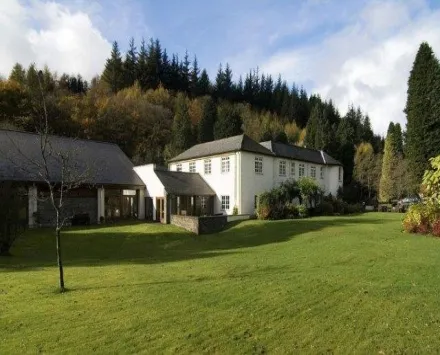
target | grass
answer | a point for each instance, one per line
(330, 284)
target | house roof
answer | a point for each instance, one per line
(220, 146)
(92, 162)
(182, 183)
(299, 153)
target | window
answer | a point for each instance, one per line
(192, 167)
(258, 165)
(301, 170)
(208, 167)
(313, 172)
(340, 174)
(225, 203)
(255, 201)
(203, 202)
(282, 168)
(225, 165)
(292, 169)
(179, 167)
(322, 172)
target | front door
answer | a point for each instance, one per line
(160, 210)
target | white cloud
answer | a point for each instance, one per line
(367, 62)
(49, 33)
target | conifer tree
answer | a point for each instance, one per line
(204, 85)
(219, 82)
(113, 73)
(386, 187)
(18, 74)
(142, 65)
(421, 129)
(185, 73)
(312, 126)
(228, 121)
(181, 136)
(194, 78)
(130, 65)
(207, 122)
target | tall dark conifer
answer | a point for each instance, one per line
(113, 73)
(421, 127)
(130, 64)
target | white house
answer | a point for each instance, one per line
(236, 170)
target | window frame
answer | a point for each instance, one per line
(282, 165)
(225, 162)
(258, 163)
(340, 174)
(207, 163)
(203, 202)
(192, 164)
(321, 173)
(225, 202)
(301, 168)
(313, 172)
(179, 167)
(292, 168)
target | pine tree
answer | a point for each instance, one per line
(185, 73)
(432, 123)
(152, 68)
(398, 138)
(204, 85)
(113, 73)
(18, 74)
(219, 82)
(206, 124)
(421, 128)
(194, 78)
(227, 83)
(182, 138)
(387, 187)
(228, 121)
(142, 65)
(312, 126)
(130, 65)
(165, 72)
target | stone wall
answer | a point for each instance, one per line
(200, 225)
(72, 206)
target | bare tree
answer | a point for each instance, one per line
(58, 168)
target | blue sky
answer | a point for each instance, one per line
(356, 52)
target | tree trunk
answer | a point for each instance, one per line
(59, 260)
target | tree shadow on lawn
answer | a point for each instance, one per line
(100, 246)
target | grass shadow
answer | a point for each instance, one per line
(137, 243)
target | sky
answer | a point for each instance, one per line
(356, 52)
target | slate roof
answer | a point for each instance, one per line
(182, 183)
(98, 162)
(299, 153)
(221, 146)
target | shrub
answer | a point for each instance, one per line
(325, 208)
(275, 204)
(235, 211)
(291, 210)
(436, 228)
(303, 212)
(310, 190)
(421, 218)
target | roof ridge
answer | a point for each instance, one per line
(59, 136)
(323, 157)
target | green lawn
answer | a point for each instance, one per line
(330, 284)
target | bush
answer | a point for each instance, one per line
(291, 210)
(436, 228)
(303, 212)
(235, 211)
(325, 208)
(276, 203)
(422, 218)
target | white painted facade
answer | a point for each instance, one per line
(241, 184)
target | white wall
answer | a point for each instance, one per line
(154, 187)
(222, 183)
(242, 184)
